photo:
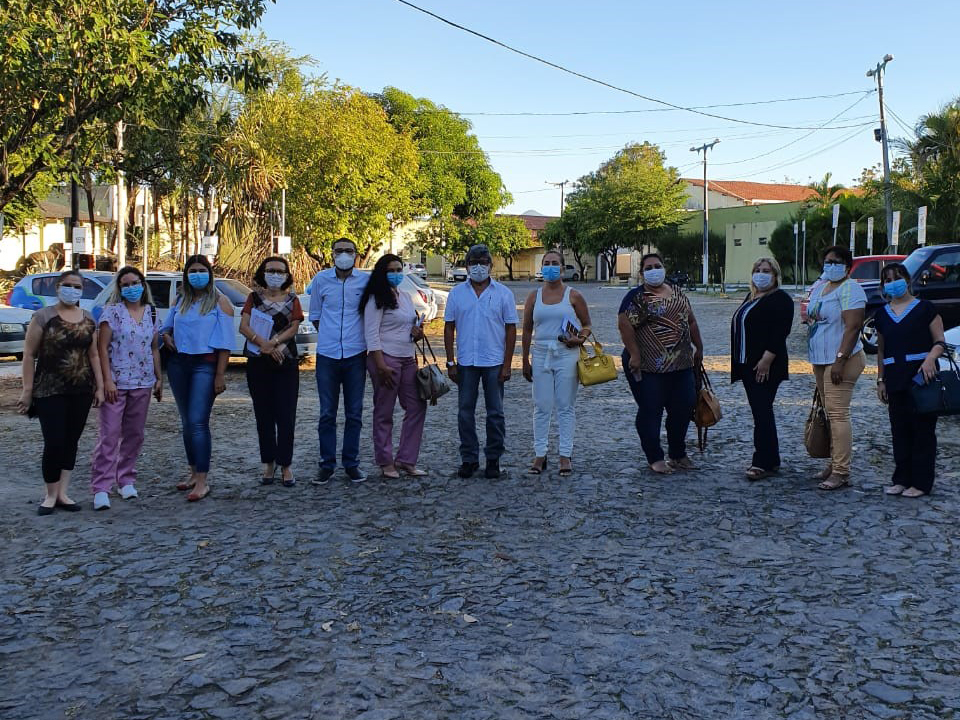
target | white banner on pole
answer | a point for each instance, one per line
(921, 226)
(803, 225)
(853, 235)
(209, 245)
(796, 228)
(895, 232)
(67, 256)
(836, 216)
(284, 245)
(869, 236)
(80, 240)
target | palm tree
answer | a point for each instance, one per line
(935, 159)
(825, 193)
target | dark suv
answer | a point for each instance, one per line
(935, 270)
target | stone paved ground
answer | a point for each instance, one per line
(612, 594)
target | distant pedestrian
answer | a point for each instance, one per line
(835, 316)
(910, 341)
(130, 363)
(662, 345)
(273, 372)
(481, 315)
(341, 359)
(61, 380)
(556, 322)
(758, 358)
(199, 331)
(391, 327)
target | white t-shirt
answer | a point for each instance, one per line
(825, 335)
(481, 322)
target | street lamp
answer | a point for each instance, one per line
(877, 73)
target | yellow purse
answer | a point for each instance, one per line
(597, 368)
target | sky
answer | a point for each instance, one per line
(692, 53)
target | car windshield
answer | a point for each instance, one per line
(916, 259)
(235, 290)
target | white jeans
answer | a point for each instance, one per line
(554, 387)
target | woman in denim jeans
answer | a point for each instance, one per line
(199, 332)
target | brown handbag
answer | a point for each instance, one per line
(816, 431)
(706, 411)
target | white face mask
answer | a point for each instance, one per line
(762, 280)
(69, 295)
(654, 277)
(344, 261)
(275, 281)
(479, 273)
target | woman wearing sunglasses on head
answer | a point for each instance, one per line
(910, 341)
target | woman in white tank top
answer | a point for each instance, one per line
(556, 322)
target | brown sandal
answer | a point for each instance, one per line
(834, 482)
(538, 466)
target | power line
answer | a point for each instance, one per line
(807, 156)
(589, 78)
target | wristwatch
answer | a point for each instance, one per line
(451, 363)
(879, 380)
(841, 356)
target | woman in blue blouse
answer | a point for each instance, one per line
(910, 341)
(199, 333)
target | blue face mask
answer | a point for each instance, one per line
(69, 295)
(395, 278)
(896, 288)
(834, 273)
(132, 293)
(551, 273)
(199, 279)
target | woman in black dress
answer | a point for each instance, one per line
(758, 358)
(910, 341)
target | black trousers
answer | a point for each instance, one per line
(914, 442)
(766, 444)
(274, 391)
(62, 419)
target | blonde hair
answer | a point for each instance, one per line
(115, 297)
(207, 297)
(754, 290)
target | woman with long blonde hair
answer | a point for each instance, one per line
(758, 358)
(199, 333)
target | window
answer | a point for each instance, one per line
(235, 290)
(45, 286)
(90, 289)
(869, 270)
(737, 242)
(942, 268)
(762, 241)
(160, 289)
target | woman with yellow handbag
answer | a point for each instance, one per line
(662, 345)
(556, 322)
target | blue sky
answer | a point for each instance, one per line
(691, 53)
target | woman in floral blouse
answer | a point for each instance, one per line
(61, 380)
(130, 362)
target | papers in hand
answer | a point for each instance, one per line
(262, 324)
(569, 326)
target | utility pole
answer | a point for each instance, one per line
(121, 202)
(562, 184)
(877, 73)
(706, 209)
(146, 228)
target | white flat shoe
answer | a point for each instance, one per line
(101, 501)
(128, 491)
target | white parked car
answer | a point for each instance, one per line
(418, 269)
(13, 330)
(456, 274)
(420, 293)
(38, 290)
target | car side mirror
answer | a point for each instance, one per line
(925, 277)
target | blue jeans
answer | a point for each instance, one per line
(332, 374)
(191, 380)
(469, 379)
(654, 393)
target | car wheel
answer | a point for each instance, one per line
(18, 356)
(576, 276)
(868, 336)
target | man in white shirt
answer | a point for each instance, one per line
(341, 358)
(481, 314)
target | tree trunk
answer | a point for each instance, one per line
(88, 190)
(581, 264)
(508, 261)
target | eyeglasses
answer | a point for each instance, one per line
(344, 251)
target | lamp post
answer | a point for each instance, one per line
(706, 209)
(877, 73)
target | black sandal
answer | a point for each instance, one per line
(536, 469)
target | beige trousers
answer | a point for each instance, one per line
(836, 401)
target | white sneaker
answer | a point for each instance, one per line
(128, 491)
(101, 501)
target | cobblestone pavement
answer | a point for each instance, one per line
(610, 594)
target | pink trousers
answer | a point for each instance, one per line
(121, 437)
(384, 401)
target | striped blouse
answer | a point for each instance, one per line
(662, 328)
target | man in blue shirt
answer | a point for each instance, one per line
(341, 358)
(482, 315)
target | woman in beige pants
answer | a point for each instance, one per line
(835, 316)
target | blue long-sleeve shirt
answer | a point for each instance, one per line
(335, 312)
(196, 334)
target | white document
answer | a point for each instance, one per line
(570, 324)
(262, 324)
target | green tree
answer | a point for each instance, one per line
(505, 235)
(825, 192)
(68, 67)
(934, 158)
